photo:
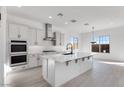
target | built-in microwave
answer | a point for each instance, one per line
(17, 46)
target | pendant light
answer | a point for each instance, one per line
(93, 36)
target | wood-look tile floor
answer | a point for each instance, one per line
(103, 74)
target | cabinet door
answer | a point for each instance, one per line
(62, 39)
(45, 68)
(32, 61)
(23, 31)
(40, 36)
(32, 36)
(51, 71)
(13, 31)
(58, 39)
(39, 60)
(17, 68)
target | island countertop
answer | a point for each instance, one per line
(64, 58)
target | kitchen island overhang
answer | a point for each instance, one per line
(58, 69)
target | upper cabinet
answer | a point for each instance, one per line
(62, 39)
(18, 32)
(40, 37)
(59, 39)
(24, 32)
(13, 31)
(36, 37)
(32, 37)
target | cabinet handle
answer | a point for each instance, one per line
(36, 43)
(19, 36)
(38, 58)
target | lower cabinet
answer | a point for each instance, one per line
(34, 60)
(17, 68)
(58, 73)
(48, 71)
(39, 60)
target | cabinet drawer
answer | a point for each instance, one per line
(17, 68)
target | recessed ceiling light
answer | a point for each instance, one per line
(50, 17)
(66, 23)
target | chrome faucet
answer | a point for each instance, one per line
(67, 47)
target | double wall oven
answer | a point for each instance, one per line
(18, 52)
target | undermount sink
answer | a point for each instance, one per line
(67, 53)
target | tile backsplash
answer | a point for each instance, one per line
(39, 49)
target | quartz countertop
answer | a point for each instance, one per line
(63, 58)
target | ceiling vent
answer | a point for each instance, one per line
(73, 21)
(60, 15)
(86, 24)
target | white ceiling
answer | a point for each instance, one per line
(101, 17)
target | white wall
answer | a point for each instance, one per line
(3, 44)
(116, 43)
(23, 21)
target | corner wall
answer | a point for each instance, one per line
(3, 44)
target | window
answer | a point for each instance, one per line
(74, 41)
(102, 44)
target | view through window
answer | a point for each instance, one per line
(102, 44)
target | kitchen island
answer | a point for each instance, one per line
(58, 69)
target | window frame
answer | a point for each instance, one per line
(72, 40)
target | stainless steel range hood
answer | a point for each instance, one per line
(48, 32)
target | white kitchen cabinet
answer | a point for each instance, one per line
(62, 39)
(32, 61)
(23, 32)
(57, 73)
(13, 31)
(59, 39)
(39, 60)
(36, 37)
(32, 36)
(48, 70)
(85, 63)
(17, 68)
(40, 36)
(18, 32)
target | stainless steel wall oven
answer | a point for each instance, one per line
(18, 52)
